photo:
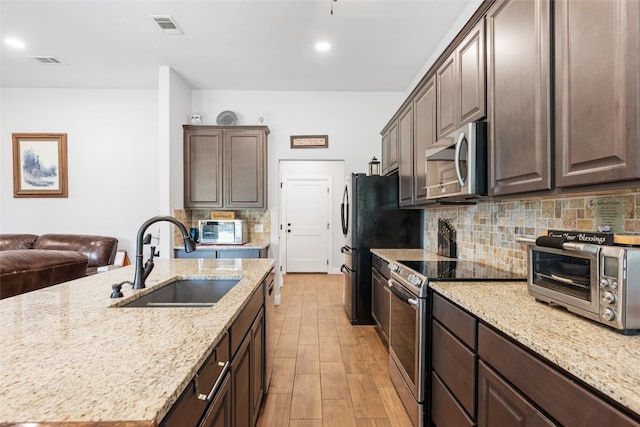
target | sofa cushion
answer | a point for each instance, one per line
(30, 269)
(16, 241)
(99, 250)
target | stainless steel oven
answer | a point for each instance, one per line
(407, 339)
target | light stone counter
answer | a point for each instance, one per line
(67, 354)
(601, 357)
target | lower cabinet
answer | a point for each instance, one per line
(227, 391)
(482, 377)
(380, 294)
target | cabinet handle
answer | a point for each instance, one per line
(217, 384)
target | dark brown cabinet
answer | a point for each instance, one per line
(454, 361)
(390, 149)
(596, 91)
(518, 96)
(405, 156)
(219, 413)
(221, 253)
(424, 112)
(461, 83)
(225, 167)
(380, 295)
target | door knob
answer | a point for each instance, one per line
(288, 231)
(289, 224)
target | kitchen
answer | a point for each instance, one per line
(558, 209)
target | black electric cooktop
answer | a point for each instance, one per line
(458, 270)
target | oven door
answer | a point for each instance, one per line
(564, 276)
(407, 322)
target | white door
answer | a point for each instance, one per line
(306, 224)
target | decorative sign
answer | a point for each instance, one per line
(609, 214)
(309, 141)
(583, 236)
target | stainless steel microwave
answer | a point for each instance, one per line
(456, 165)
(223, 232)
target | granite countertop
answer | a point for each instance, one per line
(606, 360)
(67, 354)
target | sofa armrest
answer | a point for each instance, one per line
(100, 250)
(16, 241)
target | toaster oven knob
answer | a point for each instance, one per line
(608, 314)
(609, 297)
(604, 283)
(614, 284)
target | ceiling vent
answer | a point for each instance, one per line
(46, 60)
(167, 24)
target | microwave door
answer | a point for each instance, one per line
(460, 159)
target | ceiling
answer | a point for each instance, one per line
(378, 45)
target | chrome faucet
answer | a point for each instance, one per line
(142, 272)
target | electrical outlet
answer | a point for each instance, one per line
(259, 228)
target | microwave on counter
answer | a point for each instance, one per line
(223, 232)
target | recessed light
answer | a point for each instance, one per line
(15, 43)
(323, 46)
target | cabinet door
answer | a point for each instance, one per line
(445, 96)
(596, 91)
(470, 62)
(384, 169)
(424, 112)
(392, 149)
(257, 365)
(202, 168)
(219, 412)
(405, 156)
(244, 168)
(241, 385)
(499, 404)
(518, 87)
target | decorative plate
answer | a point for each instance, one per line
(227, 118)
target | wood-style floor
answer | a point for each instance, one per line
(326, 371)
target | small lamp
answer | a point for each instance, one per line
(374, 167)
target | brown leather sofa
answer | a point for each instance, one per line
(29, 262)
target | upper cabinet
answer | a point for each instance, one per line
(405, 156)
(390, 149)
(225, 167)
(460, 83)
(518, 90)
(596, 91)
(424, 125)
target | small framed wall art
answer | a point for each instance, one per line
(40, 165)
(309, 141)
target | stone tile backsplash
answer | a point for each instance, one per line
(190, 218)
(486, 231)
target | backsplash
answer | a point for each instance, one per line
(486, 232)
(190, 218)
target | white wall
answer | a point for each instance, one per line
(112, 147)
(352, 120)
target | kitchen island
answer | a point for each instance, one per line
(70, 354)
(601, 358)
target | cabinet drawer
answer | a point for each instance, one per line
(243, 323)
(462, 324)
(239, 253)
(456, 365)
(188, 410)
(570, 403)
(445, 410)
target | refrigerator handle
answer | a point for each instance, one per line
(344, 212)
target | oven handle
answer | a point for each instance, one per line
(395, 289)
(343, 268)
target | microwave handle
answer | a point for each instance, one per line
(457, 159)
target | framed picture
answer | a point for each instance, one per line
(309, 141)
(39, 165)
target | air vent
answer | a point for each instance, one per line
(46, 59)
(167, 24)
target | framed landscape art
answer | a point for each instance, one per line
(40, 165)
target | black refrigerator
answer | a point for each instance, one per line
(371, 218)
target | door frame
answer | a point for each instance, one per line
(283, 217)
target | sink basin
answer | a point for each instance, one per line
(186, 293)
